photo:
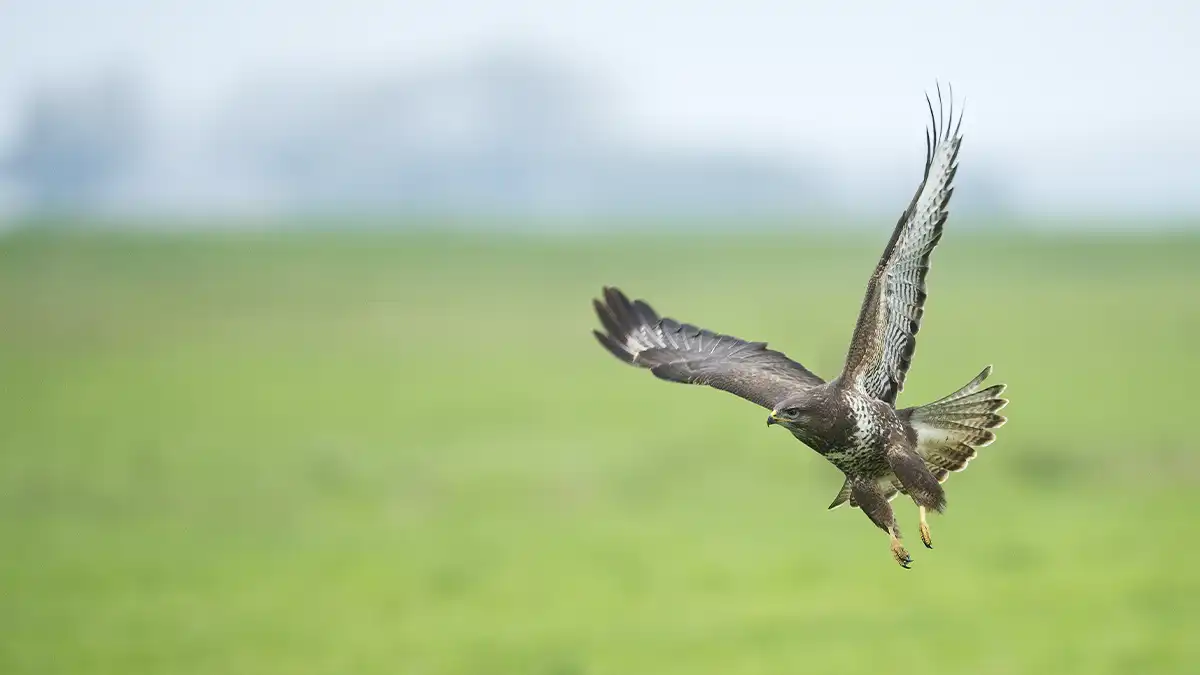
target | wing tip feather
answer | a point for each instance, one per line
(614, 348)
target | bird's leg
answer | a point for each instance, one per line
(925, 529)
(898, 551)
(866, 494)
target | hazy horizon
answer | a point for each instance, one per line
(1070, 112)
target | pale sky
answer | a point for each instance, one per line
(1045, 82)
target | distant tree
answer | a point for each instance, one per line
(73, 144)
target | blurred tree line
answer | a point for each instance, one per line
(74, 144)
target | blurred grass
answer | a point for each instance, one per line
(388, 454)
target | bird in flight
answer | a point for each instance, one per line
(851, 420)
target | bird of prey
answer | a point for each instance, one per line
(851, 420)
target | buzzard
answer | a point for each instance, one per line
(851, 420)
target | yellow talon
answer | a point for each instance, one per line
(899, 553)
(925, 531)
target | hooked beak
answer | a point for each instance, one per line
(771, 419)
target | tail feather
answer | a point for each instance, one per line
(967, 389)
(952, 429)
(951, 457)
(980, 417)
(985, 401)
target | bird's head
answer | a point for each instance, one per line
(794, 412)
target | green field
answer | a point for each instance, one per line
(376, 453)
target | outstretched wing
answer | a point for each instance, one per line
(684, 353)
(885, 337)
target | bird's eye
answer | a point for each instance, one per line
(791, 412)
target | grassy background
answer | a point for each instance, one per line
(387, 454)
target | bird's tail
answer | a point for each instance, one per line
(952, 428)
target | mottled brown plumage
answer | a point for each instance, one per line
(851, 420)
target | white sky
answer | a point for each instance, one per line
(1041, 79)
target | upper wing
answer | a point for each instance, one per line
(684, 353)
(885, 336)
